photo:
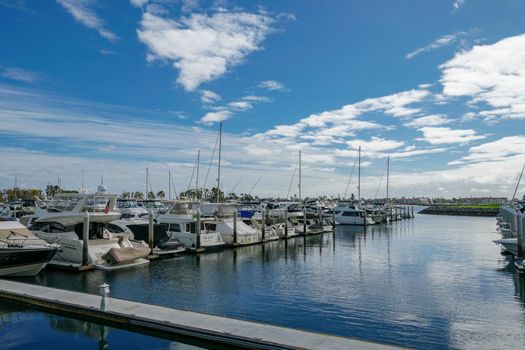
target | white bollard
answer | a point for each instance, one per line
(104, 293)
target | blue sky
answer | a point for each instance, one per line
(111, 87)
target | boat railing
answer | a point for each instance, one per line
(24, 242)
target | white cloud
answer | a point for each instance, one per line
(271, 85)
(23, 75)
(203, 47)
(189, 5)
(82, 13)
(436, 44)
(240, 105)
(503, 148)
(429, 120)
(439, 136)
(458, 4)
(396, 105)
(492, 75)
(209, 97)
(138, 3)
(215, 117)
(376, 144)
(253, 98)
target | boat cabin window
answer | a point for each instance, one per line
(174, 228)
(210, 227)
(112, 228)
(350, 213)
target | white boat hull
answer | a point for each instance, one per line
(24, 270)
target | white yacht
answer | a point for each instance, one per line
(278, 209)
(129, 208)
(153, 205)
(347, 213)
(508, 245)
(63, 224)
(21, 253)
(219, 217)
(256, 222)
(181, 223)
(165, 244)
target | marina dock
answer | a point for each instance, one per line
(174, 322)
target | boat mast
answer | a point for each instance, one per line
(518, 185)
(387, 175)
(359, 177)
(300, 176)
(147, 185)
(169, 185)
(197, 180)
(219, 168)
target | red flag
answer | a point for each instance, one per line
(106, 209)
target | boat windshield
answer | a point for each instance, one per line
(183, 208)
(127, 204)
(64, 203)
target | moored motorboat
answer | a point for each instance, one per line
(66, 227)
(21, 253)
(509, 245)
(181, 223)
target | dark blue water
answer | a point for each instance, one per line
(433, 282)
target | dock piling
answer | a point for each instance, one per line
(286, 224)
(304, 219)
(85, 240)
(263, 224)
(198, 231)
(333, 219)
(150, 230)
(235, 227)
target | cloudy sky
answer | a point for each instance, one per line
(92, 88)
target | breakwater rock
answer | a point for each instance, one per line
(459, 211)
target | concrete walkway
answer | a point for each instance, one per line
(201, 326)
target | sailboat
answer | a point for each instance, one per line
(350, 213)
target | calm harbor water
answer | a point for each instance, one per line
(431, 282)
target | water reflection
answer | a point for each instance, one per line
(431, 282)
(25, 329)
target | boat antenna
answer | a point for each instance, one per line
(518, 184)
(350, 178)
(219, 167)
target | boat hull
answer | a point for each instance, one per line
(24, 262)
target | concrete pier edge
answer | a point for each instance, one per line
(170, 322)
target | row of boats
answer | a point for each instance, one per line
(99, 230)
(510, 224)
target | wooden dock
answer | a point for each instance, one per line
(173, 322)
